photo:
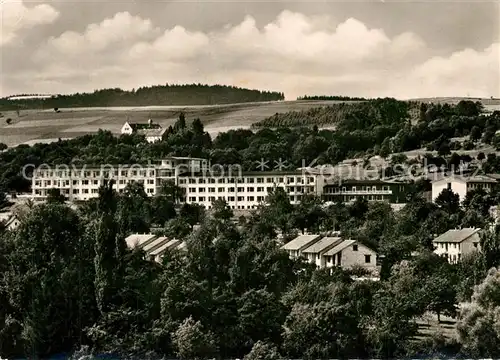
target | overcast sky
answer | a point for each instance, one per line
(359, 48)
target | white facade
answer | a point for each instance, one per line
(461, 185)
(455, 244)
(315, 253)
(328, 252)
(152, 132)
(242, 191)
(154, 137)
(247, 190)
(295, 247)
(351, 253)
(127, 129)
(82, 183)
(9, 220)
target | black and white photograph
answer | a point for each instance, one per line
(249, 180)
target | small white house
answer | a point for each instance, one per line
(314, 253)
(456, 243)
(139, 240)
(327, 252)
(154, 246)
(9, 221)
(350, 253)
(127, 129)
(462, 185)
(295, 247)
(153, 132)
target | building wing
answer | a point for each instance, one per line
(322, 245)
(300, 242)
(139, 240)
(456, 235)
(338, 248)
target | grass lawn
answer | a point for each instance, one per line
(41, 125)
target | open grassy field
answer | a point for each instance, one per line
(428, 325)
(33, 126)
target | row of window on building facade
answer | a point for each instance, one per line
(187, 180)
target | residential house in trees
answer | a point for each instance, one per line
(327, 252)
(456, 243)
(9, 221)
(314, 253)
(153, 132)
(295, 247)
(461, 185)
(351, 253)
(154, 246)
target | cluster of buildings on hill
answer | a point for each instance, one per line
(246, 190)
(324, 252)
(241, 190)
(330, 251)
(327, 252)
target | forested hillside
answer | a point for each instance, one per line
(68, 281)
(195, 94)
(347, 114)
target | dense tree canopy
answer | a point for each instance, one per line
(235, 293)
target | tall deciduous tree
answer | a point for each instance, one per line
(479, 324)
(171, 191)
(180, 124)
(263, 351)
(105, 231)
(44, 307)
(193, 342)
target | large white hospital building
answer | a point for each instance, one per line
(241, 190)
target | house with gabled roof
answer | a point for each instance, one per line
(314, 253)
(456, 243)
(139, 240)
(153, 245)
(327, 252)
(350, 253)
(158, 253)
(153, 132)
(9, 221)
(295, 247)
